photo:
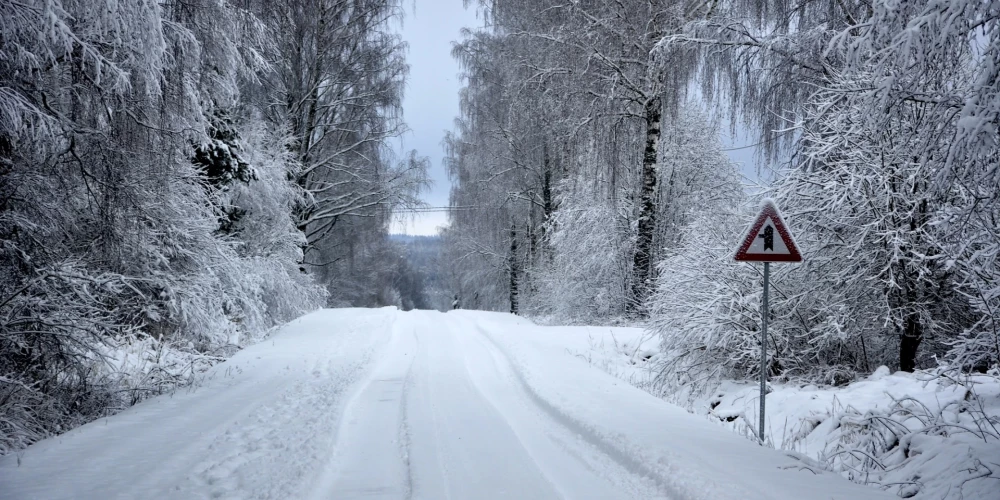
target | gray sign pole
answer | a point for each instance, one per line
(766, 253)
(763, 348)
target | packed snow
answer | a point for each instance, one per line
(929, 435)
(378, 403)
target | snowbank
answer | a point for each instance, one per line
(924, 435)
(685, 454)
(255, 426)
(919, 435)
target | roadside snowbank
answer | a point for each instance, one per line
(112, 376)
(925, 435)
(922, 435)
(684, 454)
(256, 426)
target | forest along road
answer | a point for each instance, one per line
(378, 403)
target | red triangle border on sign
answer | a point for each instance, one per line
(768, 209)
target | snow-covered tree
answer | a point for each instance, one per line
(562, 94)
(889, 112)
(154, 192)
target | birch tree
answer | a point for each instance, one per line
(885, 109)
(577, 76)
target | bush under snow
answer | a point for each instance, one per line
(931, 434)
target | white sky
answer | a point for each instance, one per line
(430, 104)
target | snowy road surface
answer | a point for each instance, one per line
(378, 403)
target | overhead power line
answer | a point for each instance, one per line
(441, 209)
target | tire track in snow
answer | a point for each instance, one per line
(461, 446)
(404, 428)
(627, 460)
(369, 459)
(420, 400)
(268, 451)
(547, 436)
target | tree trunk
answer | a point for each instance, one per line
(531, 228)
(642, 259)
(547, 194)
(913, 329)
(512, 261)
(909, 342)
(547, 205)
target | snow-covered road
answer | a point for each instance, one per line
(379, 403)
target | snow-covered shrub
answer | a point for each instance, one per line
(586, 277)
(919, 451)
(877, 283)
(53, 328)
(977, 347)
(706, 307)
(268, 244)
(707, 313)
(931, 434)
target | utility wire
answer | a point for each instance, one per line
(441, 209)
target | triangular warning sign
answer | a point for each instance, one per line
(768, 239)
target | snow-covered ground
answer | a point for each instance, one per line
(385, 404)
(923, 435)
(929, 435)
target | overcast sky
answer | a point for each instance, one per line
(430, 104)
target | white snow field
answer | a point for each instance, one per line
(378, 403)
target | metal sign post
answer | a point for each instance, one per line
(763, 348)
(761, 245)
